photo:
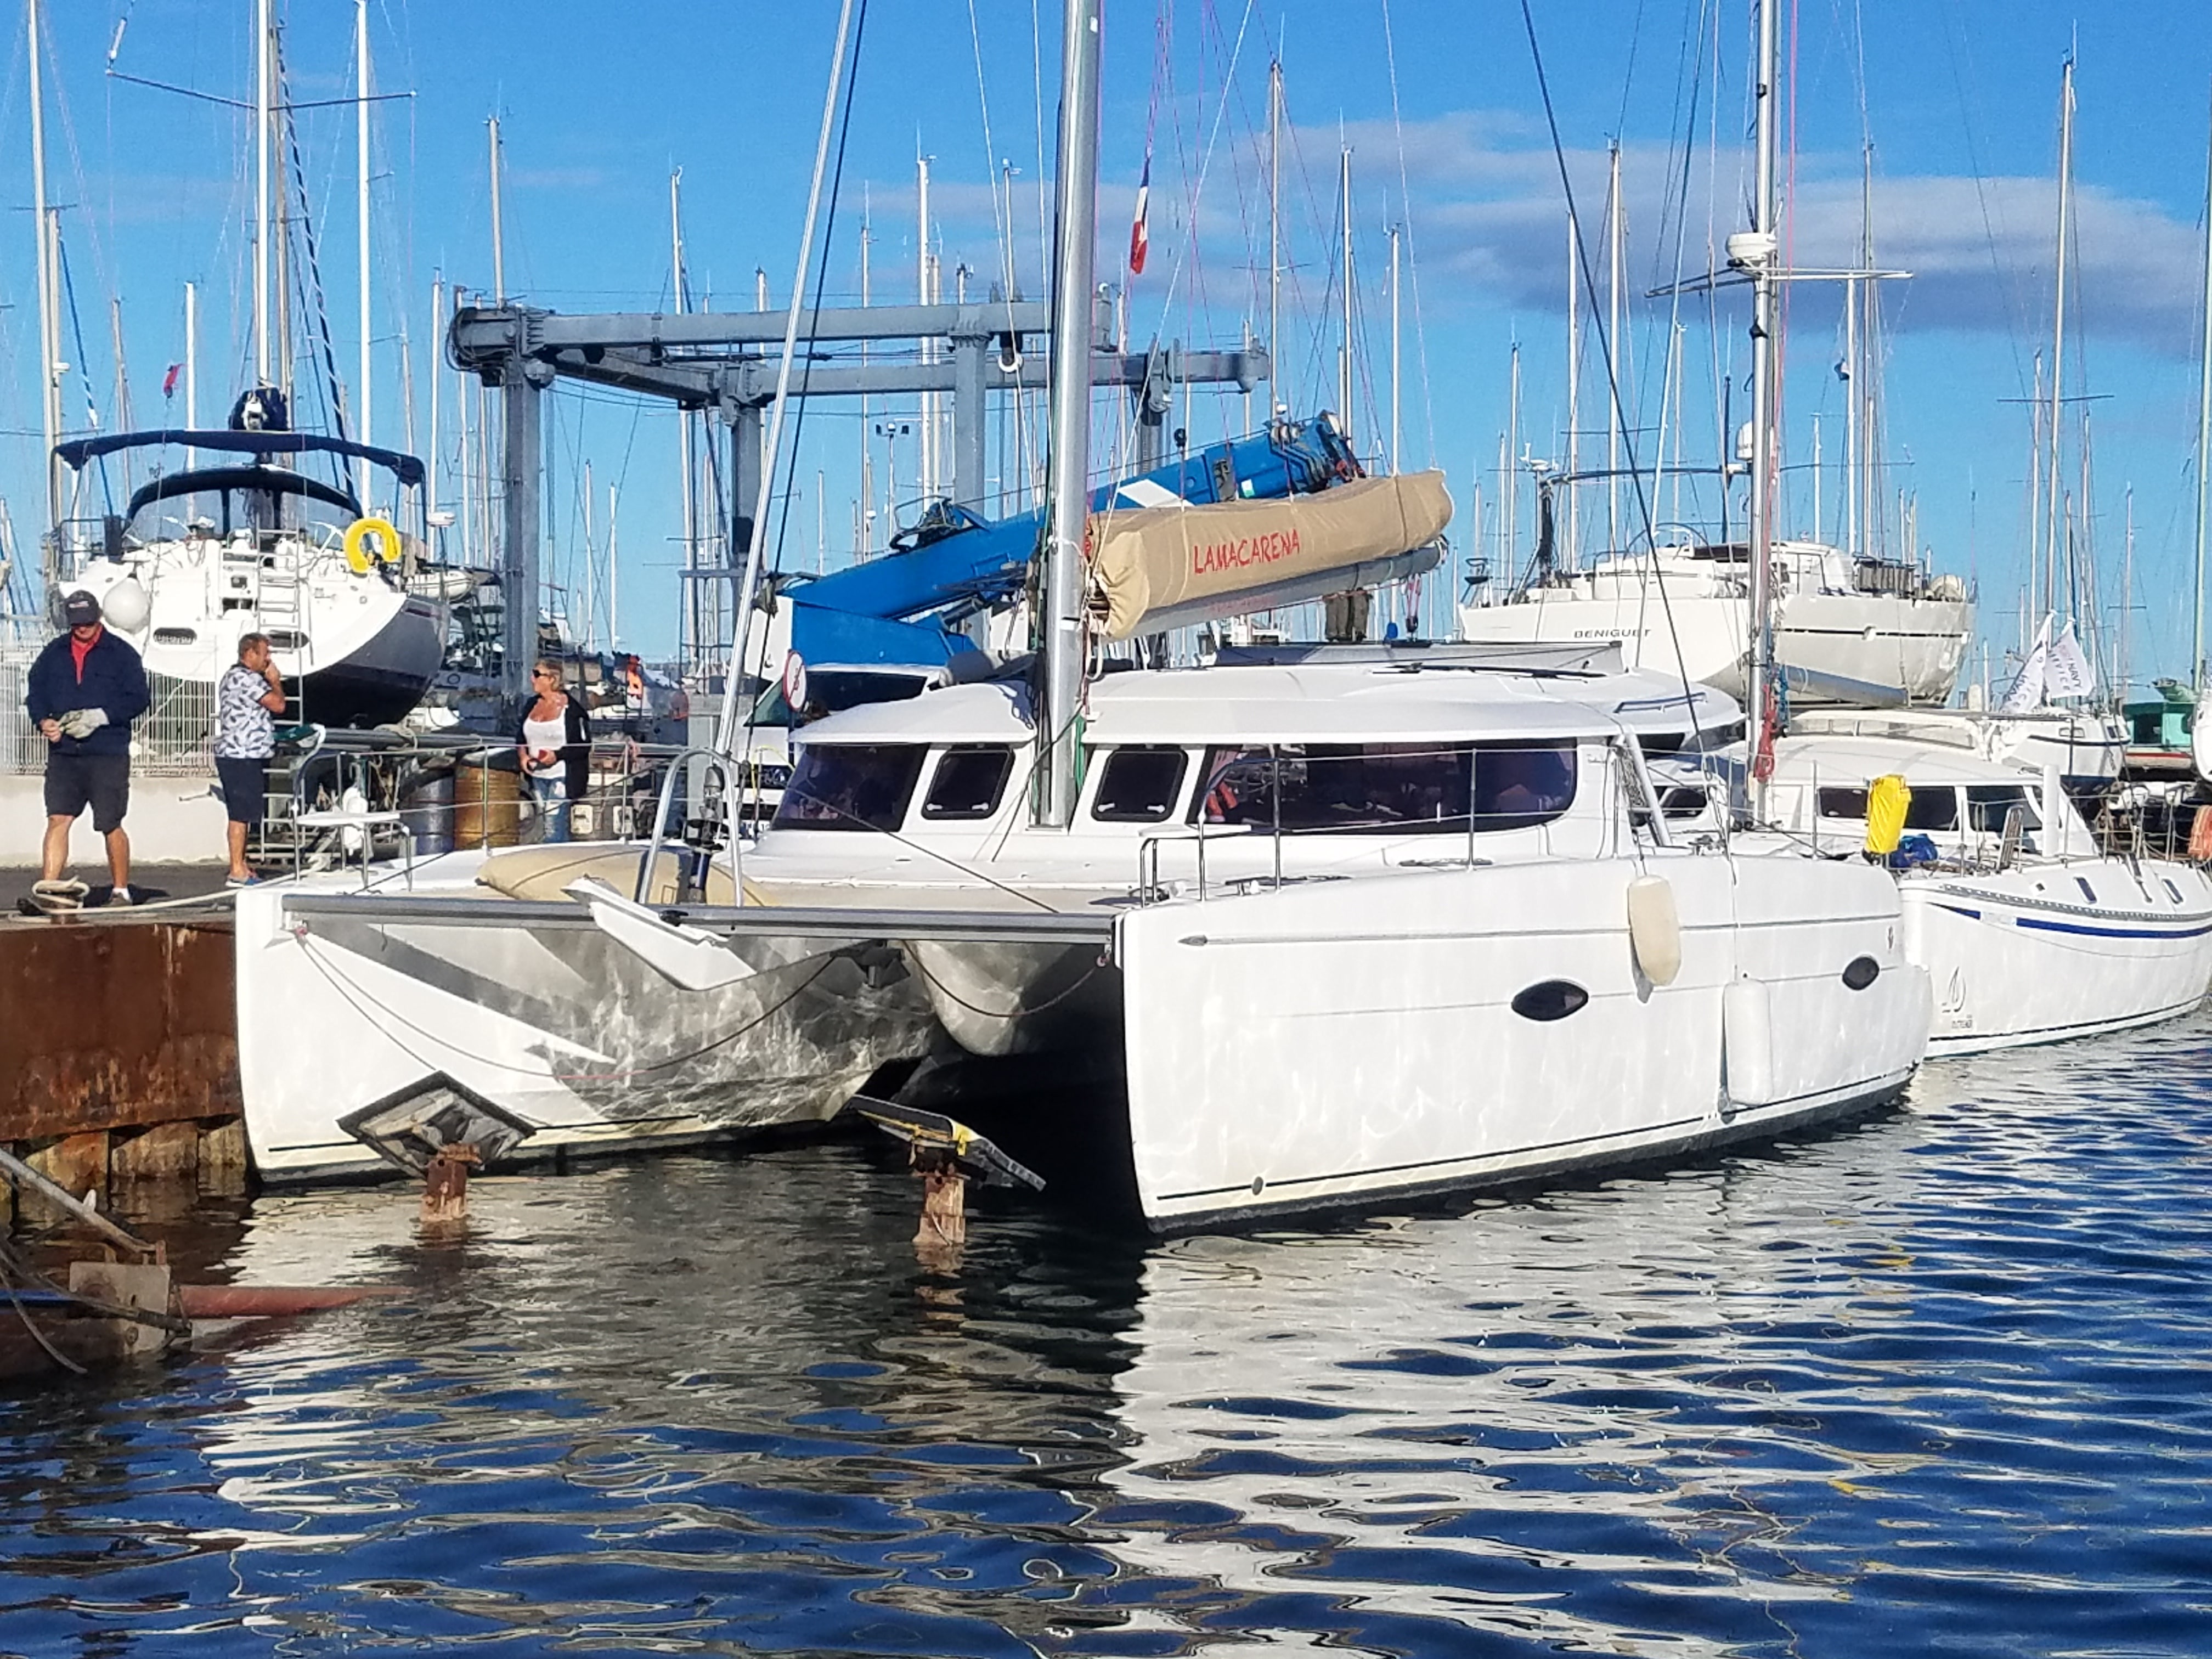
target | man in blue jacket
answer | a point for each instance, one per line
(86, 687)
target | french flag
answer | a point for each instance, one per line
(1140, 235)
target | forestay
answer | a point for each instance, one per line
(1232, 556)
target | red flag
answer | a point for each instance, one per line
(169, 380)
(1141, 235)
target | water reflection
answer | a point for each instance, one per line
(1926, 1387)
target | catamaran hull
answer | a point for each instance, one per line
(1343, 1042)
(552, 1023)
(1841, 647)
(2012, 963)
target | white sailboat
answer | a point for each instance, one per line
(2028, 930)
(1848, 623)
(243, 537)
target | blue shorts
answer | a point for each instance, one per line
(100, 781)
(245, 788)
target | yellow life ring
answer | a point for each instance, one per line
(356, 544)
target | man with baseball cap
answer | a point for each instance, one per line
(85, 690)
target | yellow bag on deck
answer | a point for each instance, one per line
(1887, 798)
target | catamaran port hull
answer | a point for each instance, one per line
(351, 1003)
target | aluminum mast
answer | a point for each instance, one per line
(1061, 596)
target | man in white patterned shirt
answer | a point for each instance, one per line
(247, 698)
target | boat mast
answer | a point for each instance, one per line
(1574, 390)
(1344, 231)
(360, 181)
(2203, 441)
(1396, 429)
(1276, 406)
(1613, 261)
(191, 369)
(1077, 213)
(692, 620)
(50, 333)
(1757, 252)
(262, 364)
(498, 229)
(1866, 300)
(2058, 327)
(925, 292)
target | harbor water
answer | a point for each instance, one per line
(1933, 1384)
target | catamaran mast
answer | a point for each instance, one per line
(1061, 623)
(1756, 251)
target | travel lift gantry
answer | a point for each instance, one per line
(725, 364)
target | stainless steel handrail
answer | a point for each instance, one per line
(716, 765)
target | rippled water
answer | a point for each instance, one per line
(1934, 1385)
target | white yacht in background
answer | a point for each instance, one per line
(244, 538)
(1859, 631)
(2028, 931)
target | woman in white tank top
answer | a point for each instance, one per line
(554, 746)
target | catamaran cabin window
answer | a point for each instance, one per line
(1387, 788)
(968, 781)
(1988, 803)
(1140, 784)
(850, 786)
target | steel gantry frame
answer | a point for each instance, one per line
(724, 363)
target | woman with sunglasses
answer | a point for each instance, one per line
(554, 744)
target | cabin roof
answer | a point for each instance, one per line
(1345, 702)
(1848, 762)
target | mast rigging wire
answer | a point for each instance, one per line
(1597, 323)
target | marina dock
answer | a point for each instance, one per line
(118, 1060)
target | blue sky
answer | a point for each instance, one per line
(1959, 99)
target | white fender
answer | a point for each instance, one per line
(685, 957)
(1747, 1041)
(1655, 929)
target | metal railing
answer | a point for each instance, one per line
(701, 836)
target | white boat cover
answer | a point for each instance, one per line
(1146, 560)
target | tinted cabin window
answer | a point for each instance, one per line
(968, 782)
(1988, 803)
(850, 786)
(1140, 785)
(1932, 809)
(1384, 788)
(1519, 785)
(1843, 803)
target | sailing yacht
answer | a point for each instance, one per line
(299, 535)
(200, 556)
(2028, 930)
(1858, 630)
